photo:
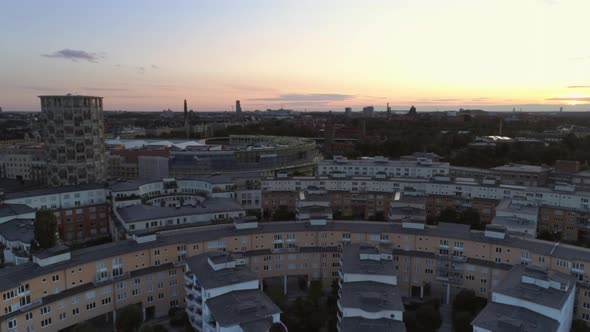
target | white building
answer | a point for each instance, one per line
(368, 298)
(529, 298)
(140, 217)
(223, 295)
(420, 167)
(519, 218)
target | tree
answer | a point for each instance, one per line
(84, 327)
(448, 215)
(129, 318)
(549, 236)
(45, 229)
(470, 217)
(466, 306)
(428, 319)
(283, 214)
(579, 325)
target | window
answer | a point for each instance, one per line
(75, 311)
(12, 323)
(45, 310)
(55, 278)
(62, 316)
(150, 299)
(106, 301)
(135, 292)
(29, 316)
(160, 296)
(91, 306)
(46, 322)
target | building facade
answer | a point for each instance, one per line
(73, 131)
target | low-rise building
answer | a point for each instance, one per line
(529, 298)
(518, 217)
(222, 294)
(368, 296)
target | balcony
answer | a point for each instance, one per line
(188, 278)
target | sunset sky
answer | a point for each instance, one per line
(315, 55)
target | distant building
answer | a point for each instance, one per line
(73, 130)
(368, 111)
(348, 111)
(238, 107)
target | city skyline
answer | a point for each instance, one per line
(144, 56)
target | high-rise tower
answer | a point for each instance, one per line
(238, 107)
(186, 126)
(73, 132)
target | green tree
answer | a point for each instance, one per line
(448, 215)
(129, 318)
(470, 217)
(45, 229)
(549, 236)
(579, 325)
(428, 318)
(283, 214)
(466, 306)
(84, 327)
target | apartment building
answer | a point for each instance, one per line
(82, 211)
(521, 175)
(420, 167)
(519, 218)
(141, 217)
(59, 288)
(24, 163)
(529, 298)
(16, 232)
(368, 297)
(353, 195)
(222, 294)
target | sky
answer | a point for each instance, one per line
(144, 55)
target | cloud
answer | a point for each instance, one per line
(103, 89)
(138, 69)
(39, 88)
(579, 87)
(569, 99)
(75, 55)
(300, 97)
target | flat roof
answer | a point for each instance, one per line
(371, 296)
(142, 212)
(18, 230)
(12, 276)
(209, 278)
(7, 210)
(521, 168)
(53, 190)
(352, 262)
(241, 307)
(497, 317)
(512, 285)
(359, 324)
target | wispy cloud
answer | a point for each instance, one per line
(86, 88)
(298, 97)
(39, 88)
(75, 55)
(569, 99)
(579, 87)
(138, 69)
